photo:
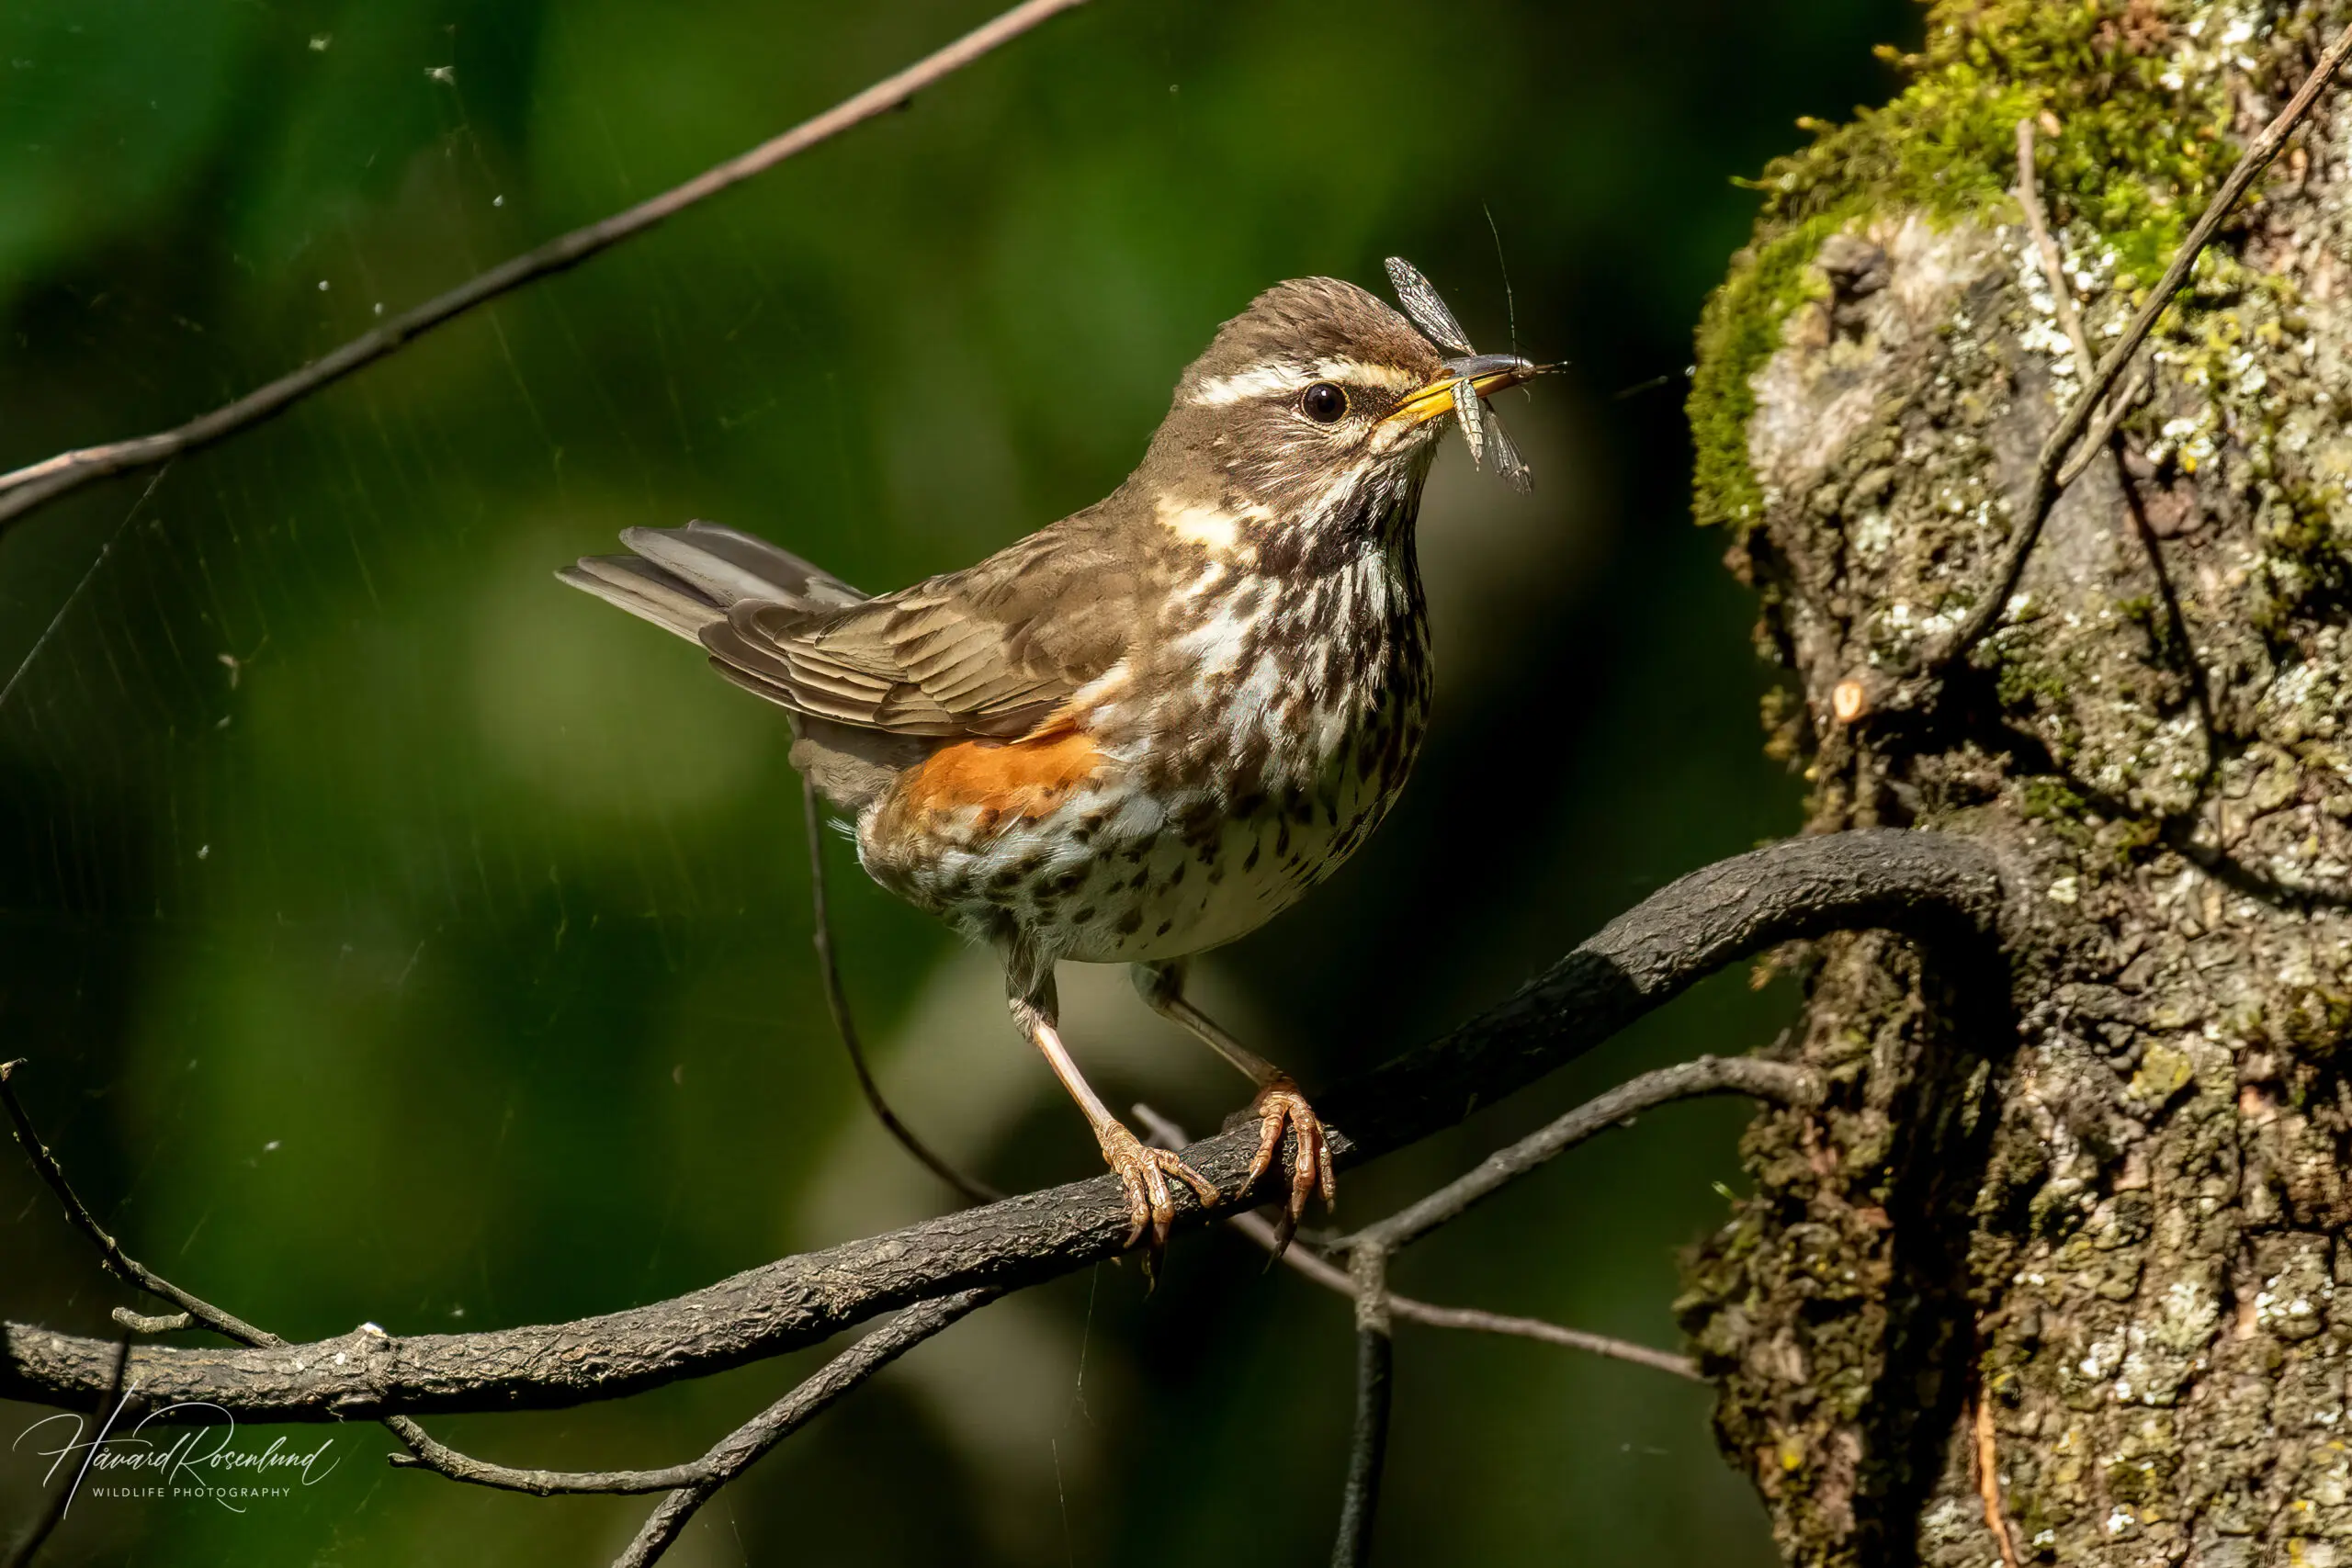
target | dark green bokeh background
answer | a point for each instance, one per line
(396, 936)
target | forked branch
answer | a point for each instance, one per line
(1942, 889)
(1371, 1250)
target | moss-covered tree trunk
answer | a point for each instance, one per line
(2095, 1237)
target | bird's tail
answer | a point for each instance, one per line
(684, 579)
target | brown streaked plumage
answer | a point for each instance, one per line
(1145, 729)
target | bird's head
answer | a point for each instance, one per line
(1314, 414)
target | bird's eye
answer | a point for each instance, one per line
(1323, 403)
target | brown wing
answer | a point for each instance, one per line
(990, 651)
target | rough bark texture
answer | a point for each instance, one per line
(2114, 1207)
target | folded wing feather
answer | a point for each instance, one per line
(968, 655)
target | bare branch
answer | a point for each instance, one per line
(1308, 1264)
(744, 1446)
(1775, 1081)
(2103, 434)
(116, 1261)
(689, 1485)
(38, 483)
(1368, 1452)
(1987, 611)
(2070, 318)
(837, 1003)
(1369, 1248)
(195, 1310)
(1939, 888)
(2053, 266)
(853, 1366)
(1481, 1322)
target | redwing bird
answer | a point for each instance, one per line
(1147, 728)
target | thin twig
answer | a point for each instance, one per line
(1368, 1452)
(428, 1453)
(837, 1003)
(195, 1311)
(2104, 433)
(2107, 436)
(1369, 1248)
(41, 482)
(743, 1447)
(1988, 611)
(1309, 1264)
(853, 1365)
(1988, 1482)
(1776, 1081)
(2054, 264)
(111, 1255)
(690, 1484)
(1483, 1322)
(54, 1515)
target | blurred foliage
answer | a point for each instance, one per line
(397, 936)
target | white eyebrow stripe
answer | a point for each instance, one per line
(1266, 381)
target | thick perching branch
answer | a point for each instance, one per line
(28, 1546)
(688, 1485)
(1936, 888)
(1939, 888)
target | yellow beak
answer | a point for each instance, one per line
(1486, 373)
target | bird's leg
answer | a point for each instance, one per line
(1280, 1105)
(1143, 1171)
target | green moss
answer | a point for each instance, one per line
(1737, 332)
(2306, 560)
(2022, 682)
(2048, 800)
(2133, 158)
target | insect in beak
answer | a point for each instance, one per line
(1482, 375)
(1466, 381)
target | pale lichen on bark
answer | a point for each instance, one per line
(2119, 1214)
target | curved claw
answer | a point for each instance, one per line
(1282, 1107)
(1143, 1173)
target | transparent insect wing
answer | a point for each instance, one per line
(1508, 462)
(1471, 415)
(1422, 304)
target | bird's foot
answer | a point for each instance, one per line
(1144, 1171)
(1280, 1106)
